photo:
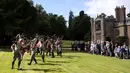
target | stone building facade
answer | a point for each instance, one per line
(109, 27)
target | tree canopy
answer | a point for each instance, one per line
(21, 16)
(79, 26)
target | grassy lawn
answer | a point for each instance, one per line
(71, 62)
(66, 43)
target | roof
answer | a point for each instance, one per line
(110, 19)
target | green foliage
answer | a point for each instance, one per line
(79, 26)
(20, 16)
(17, 16)
(71, 16)
(123, 39)
(87, 36)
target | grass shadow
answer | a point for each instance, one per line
(38, 55)
(68, 50)
(46, 70)
(29, 59)
(58, 61)
(64, 50)
(71, 57)
(49, 64)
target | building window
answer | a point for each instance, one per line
(98, 27)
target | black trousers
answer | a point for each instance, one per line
(16, 55)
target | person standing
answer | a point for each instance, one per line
(48, 46)
(33, 50)
(16, 47)
(52, 47)
(41, 47)
(59, 47)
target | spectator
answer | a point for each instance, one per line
(118, 51)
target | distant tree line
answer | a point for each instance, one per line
(22, 16)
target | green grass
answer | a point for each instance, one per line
(66, 43)
(71, 62)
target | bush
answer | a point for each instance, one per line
(123, 39)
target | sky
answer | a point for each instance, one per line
(91, 7)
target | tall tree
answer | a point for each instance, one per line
(71, 17)
(31, 2)
(61, 25)
(81, 27)
(81, 13)
(71, 23)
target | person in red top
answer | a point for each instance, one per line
(41, 47)
(22, 42)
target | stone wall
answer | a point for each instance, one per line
(128, 29)
(109, 30)
(121, 31)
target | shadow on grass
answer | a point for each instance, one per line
(46, 70)
(68, 50)
(71, 57)
(44, 63)
(49, 64)
(64, 50)
(29, 59)
(38, 55)
(58, 61)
